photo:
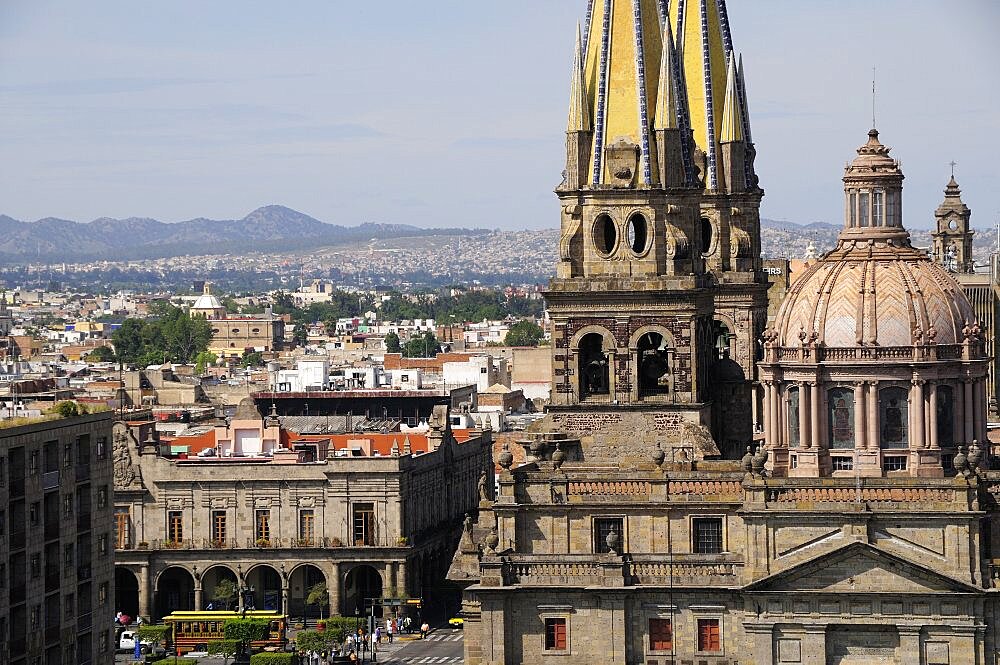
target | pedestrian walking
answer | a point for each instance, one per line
(424, 628)
(378, 634)
(389, 626)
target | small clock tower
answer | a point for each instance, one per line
(952, 235)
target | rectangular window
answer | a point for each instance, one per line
(102, 543)
(102, 447)
(219, 527)
(364, 524)
(864, 203)
(36, 565)
(307, 525)
(102, 594)
(555, 634)
(878, 197)
(175, 526)
(842, 463)
(707, 534)
(68, 555)
(33, 462)
(121, 528)
(67, 505)
(709, 637)
(34, 511)
(894, 463)
(661, 635)
(892, 209)
(603, 527)
(102, 496)
(854, 209)
(67, 455)
(262, 529)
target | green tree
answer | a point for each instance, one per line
(252, 359)
(299, 334)
(224, 592)
(203, 360)
(246, 631)
(225, 648)
(315, 640)
(102, 354)
(128, 340)
(66, 409)
(319, 596)
(392, 343)
(421, 346)
(524, 333)
(153, 634)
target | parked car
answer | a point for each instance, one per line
(126, 642)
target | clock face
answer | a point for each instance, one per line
(953, 224)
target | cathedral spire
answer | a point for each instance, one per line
(579, 113)
(732, 114)
(667, 90)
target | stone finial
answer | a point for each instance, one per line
(747, 461)
(659, 456)
(558, 457)
(960, 462)
(505, 458)
(491, 541)
(407, 448)
(614, 542)
(759, 460)
(975, 456)
(538, 449)
(395, 448)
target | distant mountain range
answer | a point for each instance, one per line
(271, 228)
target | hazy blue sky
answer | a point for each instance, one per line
(450, 112)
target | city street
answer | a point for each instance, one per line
(442, 647)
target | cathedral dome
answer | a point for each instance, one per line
(885, 297)
(874, 289)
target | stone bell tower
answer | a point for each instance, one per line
(659, 235)
(952, 234)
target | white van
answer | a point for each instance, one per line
(126, 642)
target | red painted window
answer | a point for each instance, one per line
(661, 635)
(709, 638)
(555, 634)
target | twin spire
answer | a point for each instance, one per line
(644, 66)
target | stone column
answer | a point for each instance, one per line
(814, 416)
(860, 407)
(401, 579)
(144, 604)
(970, 411)
(805, 438)
(284, 597)
(197, 596)
(932, 439)
(917, 400)
(333, 585)
(768, 412)
(873, 430)
(979, 404)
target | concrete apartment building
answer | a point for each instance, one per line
(56, 548)
(366, 513)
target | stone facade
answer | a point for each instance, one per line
(366, 526)
(56, 548)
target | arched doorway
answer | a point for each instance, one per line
(126, 592)
(362, 583)
(266, 585)
(174, 591)
(594, 376)
(219, 589)
(300, 583)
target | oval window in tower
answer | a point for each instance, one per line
(707, 232)
(638, 233)
(605, 234)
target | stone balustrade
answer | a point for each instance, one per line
(581, 570)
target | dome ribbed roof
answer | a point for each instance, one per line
(895, 297)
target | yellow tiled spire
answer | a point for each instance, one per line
(667, 92)
(579, 111)
(732, 114)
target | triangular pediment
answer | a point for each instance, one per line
(860, 568)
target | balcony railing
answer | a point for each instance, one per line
(721, 570)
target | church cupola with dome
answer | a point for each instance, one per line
(876, 363)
